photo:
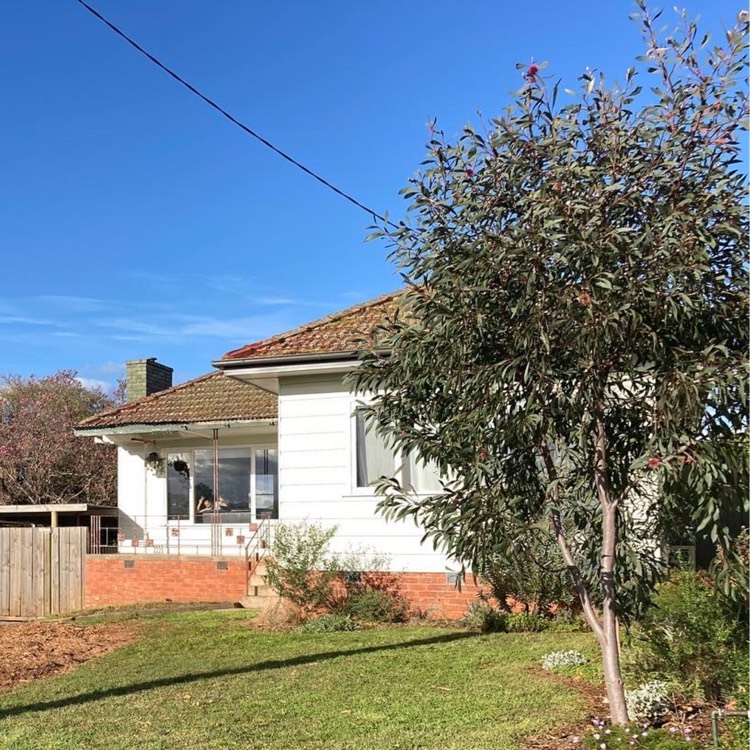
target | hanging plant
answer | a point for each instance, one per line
(155, 463)
(181, 467)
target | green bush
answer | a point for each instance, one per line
(567, 621)
(730, 569)
(690, 638)
(526, 622)
(329, 624)
(480, 615)
(375, 605)
(530, 573)
(300, 567)
(734, 733)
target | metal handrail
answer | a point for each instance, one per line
(256, 549)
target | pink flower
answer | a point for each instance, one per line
(532, 71)
(654, 462)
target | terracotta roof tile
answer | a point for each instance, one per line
(215, 397)
(334, 333)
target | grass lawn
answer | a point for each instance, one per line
(206, 680)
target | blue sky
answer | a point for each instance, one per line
(136, 222)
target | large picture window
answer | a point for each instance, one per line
(247, 485)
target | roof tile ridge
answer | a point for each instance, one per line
(305, 327)
(150, 399)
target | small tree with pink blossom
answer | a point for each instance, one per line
(41, 460)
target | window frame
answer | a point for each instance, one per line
(189, 452)
(401, 462)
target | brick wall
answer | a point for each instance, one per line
(160, 578)
(434, 595)
(146, 376)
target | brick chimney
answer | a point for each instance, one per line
(146, 376)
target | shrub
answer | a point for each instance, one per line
(375, 605)
(303, 570)
(557, 659)
(480, 615)
(329, 623)
(531, 573)
(690, 638)
(649, 701)
(300, 567)
(735, 733)
(730, 569)
(526, 622)
(567, 621)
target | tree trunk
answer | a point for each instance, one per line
(608, 641)
(605, 629)
(608, 634)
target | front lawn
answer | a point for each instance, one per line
(206, 680)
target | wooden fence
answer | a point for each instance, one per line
(42, 570)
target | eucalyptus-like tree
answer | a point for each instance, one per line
(572, 341)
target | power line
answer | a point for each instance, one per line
(230, 117)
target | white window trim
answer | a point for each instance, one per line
(401, 473)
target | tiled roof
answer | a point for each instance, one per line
(339, 332)
(215, 397)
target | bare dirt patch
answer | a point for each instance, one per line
(41, 649)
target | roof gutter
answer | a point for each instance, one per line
(147, 429)
(289, 359)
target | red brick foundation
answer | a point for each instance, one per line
(162, 578)
(436, 597)
(113, 580)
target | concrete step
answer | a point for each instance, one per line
(257, 601)
(261, 590)
(258, 567)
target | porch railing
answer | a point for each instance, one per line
(157, 534)
(257, 547)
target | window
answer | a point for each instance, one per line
(423, 476)
(266, 483)
(375, 458)
(178, 486)
(247, 485)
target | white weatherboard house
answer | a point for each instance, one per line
(272, 433)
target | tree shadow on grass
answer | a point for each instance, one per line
(77, 700)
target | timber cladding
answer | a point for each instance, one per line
(42, 571)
